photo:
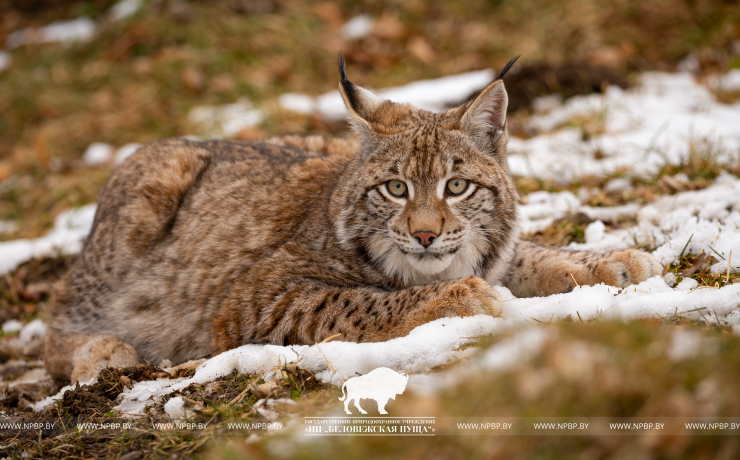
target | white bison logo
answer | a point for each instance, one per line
(380, 384)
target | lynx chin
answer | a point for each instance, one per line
(199, 247)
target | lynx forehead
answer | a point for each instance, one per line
(199, 247)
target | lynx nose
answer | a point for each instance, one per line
(425, 238)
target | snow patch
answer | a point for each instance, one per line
(705, 220)
(727, 82)
(70, 229)
(124, 9)
(80, 29)
(542, 208)
(434, 95)
(36, 329)
(175, 408)
(435, 343)
(358, 27)
(226, 120)
(657, 122)
(124, 152)
(98, 153)
(12, 325)
(686, 344)
(5, 60)
(8, 226)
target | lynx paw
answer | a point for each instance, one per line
(97, 354)
(470, 296)
(626, 267)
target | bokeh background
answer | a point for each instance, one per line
(136, 71)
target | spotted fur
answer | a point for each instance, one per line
(199, 247)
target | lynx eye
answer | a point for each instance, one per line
(396, 188)
(457, 186)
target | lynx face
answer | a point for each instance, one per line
(430, 197)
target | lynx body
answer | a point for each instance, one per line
(199, 247)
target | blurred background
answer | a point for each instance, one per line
(111, 73)
(84, 83)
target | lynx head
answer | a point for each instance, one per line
(428, 196)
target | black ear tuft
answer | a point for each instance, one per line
(503, 72)
(348, 86)
(342, 68)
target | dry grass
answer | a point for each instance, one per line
(137, 81)
(592, 369)
(213, 406)
(139, 78)
(624, 374)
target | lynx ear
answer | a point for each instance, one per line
(485, 117)
(361, 103)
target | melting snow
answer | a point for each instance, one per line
(124, 152)
(8, 226)
(658, 122)
(706, 220)
(647, 126)
(79, 29)
(5, 59)
(70, 228)
(33, 330)
(358, 27)
(175, 407)
(226, 120)
(98, 153)
(12, 325)
(124, 9)
(435, 95)
(82, 28)
(727, 82)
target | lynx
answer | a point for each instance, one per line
(200, 247)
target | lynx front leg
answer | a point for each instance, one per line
(540, 271)
(307, 313)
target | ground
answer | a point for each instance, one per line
(142, 76)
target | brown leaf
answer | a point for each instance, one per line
(389, 27)
(421, 50)
(329, 12)
(193, 79)
(6, 170)
(223, 83)
(701, 264)
(262, 391)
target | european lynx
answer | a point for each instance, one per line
(199, 247)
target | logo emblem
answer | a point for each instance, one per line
(380, 384)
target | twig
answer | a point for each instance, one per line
(574, 280)
(191, 401)
(331, 368)
(704, 318)
(579, 316)
(717, 316)
(329, 338)
(250, 386)
(729, 264)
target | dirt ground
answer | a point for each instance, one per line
(140, 77)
